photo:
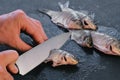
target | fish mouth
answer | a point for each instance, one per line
(88, 24)
(115, 48)
(74, 60)
(89, 45)
(69, 59)
(91, 27)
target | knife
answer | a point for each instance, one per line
(32, 58)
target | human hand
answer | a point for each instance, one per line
(7, 63)
(13, 23)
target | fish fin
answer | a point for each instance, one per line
(44, 11)
(59, 24)
(46, 61)
(92, 16)
(48, 12)
(54, 64)
(63, 6)
(85, 12)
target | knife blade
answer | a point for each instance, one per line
(32, 58)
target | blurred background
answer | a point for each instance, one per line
(94, 65)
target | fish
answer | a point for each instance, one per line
(82, 37)
(70, 19)
(61, 57)
(100, 41)
(105, 43)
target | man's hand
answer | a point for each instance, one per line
(13, 23)
(7, 62)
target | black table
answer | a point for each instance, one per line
(94, 65)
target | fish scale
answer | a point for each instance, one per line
(63, 17)
(106, 43)
(61, 57)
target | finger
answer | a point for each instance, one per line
(1, 72)
(7, 76)
(32, 30)
(19, 44)
(9, 56)
(4, 75)
(40, 30)
(38, 38)
(12, 68)
(39, 26)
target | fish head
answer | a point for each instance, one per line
(60, 57)
(69, 59)
(87, 41)
(115, 47)
(82, 37)
(87, 23)
(75, 25)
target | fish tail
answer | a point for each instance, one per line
(47, 12)
(62, 6)
(44, 11)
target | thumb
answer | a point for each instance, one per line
(9, 59)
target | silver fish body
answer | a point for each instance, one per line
(60, 57)
(82, 37)
(105, 43)
(70, 19)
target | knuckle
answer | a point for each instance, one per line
(1, 70)
(20, 13)
(38, 21)
(15, 53)
(4, 54)
(11, 78)
(8, 77)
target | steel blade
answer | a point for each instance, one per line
(32, 58)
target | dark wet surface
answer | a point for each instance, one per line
(93, 65)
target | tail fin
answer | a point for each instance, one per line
(44, 11)
(62, 6)
(50, 13)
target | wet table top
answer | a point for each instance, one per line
(93, 65)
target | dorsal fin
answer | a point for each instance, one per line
(63, 6)
(83, 11)
(92, 16)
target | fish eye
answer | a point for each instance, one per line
(110, 47)
(65, 58)
(85, 23)
(86, 38)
